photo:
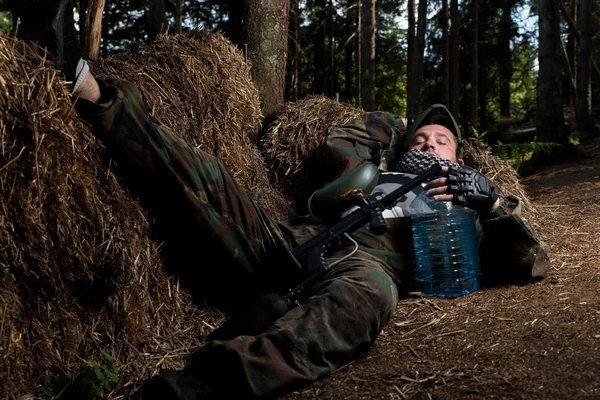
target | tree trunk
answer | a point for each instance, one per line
(549, 116)
(445, 55)
(157, 22)
(358, 54)
(484, 19)
(331, 76)
(505, 62)
(83, 7)
(368, 55)
(569, 72)
(454, 60)
(585, 121)
(411, 59)
(474, 66)
(94, 26)
(570, 49)
(265, 32)
(416, 60)
(573, 29)
(178, 15)
(350, 33)
(319, 29)
(296, 63)
(235, 19)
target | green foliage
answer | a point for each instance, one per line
(479, 138)
(93, 383)
(520, 152)
(6, 21)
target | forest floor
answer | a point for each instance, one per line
(539, 341)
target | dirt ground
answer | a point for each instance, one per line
(539, 341)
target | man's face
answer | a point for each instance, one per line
(436, 140)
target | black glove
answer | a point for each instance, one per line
(471, 189)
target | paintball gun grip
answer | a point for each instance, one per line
(377, 224)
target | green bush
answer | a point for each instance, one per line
(520, 152)
(93, 383)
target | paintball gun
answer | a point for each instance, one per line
(346, 191)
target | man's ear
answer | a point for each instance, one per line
(460, 162)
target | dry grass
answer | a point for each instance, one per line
(500, 172)
(79, 272)
(199, 85)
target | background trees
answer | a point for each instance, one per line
(513, 70)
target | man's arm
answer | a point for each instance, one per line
(371, 137)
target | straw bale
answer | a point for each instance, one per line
(198, 85)
(79, 272)
(291, 140)
(504, 175)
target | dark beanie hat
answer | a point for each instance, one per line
(437, 114)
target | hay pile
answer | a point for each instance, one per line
(79, 272)
(291, 139)
(199, 85)
(500, 172)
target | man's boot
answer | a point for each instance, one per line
(50, 24)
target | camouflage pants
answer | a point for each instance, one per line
(210, 213)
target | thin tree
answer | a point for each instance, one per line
(319, 37)
(350, 34)
(296, 46)
(266, 37)
(235, 19)
(331, 76)
(178, 15)
(585, 121)
(83, 7)
(368, 55)
(157, 22)
(446, 55)
(474, 65)
(358, 54)
(550, 120)
(415, 58)
(454, 59)
(411, 59)
(94, 28)
(571, 57)
(505, 62)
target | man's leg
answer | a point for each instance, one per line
(340, 320)
(195, 198)
(223, 237)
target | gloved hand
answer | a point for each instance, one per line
(471, 189)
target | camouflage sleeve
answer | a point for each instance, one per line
(510, 251)
(371, 137)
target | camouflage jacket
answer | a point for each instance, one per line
(510, 251)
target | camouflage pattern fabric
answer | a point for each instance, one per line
(201, 208)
